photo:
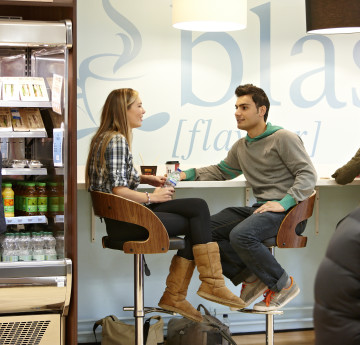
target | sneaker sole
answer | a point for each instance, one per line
(281, 305)
(251, 300)
(220, 300)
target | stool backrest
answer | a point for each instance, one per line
(118, 208)
(287, 237)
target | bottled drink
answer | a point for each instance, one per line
(24, 247)
(30, 199)
(9, 248)
(226, 320)
(38, 247)
(53, 199)
(5, 248)
(61, 198)
(8, 198)
(49, 246)
(60, 244)
(173, 179)
(42, 199)
(2, 238)
(15, 188)
(19, 198)
(16, 237)
(29, 243)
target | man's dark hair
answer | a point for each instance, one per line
(258, 95)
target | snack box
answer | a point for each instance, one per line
(5, 120)
(33, 118)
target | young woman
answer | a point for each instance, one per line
(110, 169)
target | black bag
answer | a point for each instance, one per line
(210, 331)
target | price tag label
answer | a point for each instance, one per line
(56, 87)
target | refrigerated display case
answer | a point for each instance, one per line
(34, 60)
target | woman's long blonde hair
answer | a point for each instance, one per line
(113, 121)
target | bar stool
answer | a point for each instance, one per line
(287, 237)
(129, 213)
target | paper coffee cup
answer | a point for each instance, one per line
(171, 166)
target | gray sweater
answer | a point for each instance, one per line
(275, 164)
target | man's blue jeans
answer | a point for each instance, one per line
(240, 234)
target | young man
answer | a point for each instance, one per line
(281, 174)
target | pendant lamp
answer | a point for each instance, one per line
(209, 15)
(332, 16)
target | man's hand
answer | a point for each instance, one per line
(270, 206)
(182, 176)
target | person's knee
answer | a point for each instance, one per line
(216, 234)
(240, 239)
(200, 205)
(235, 238)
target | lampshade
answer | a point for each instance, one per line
(209, 15)
(332, 16)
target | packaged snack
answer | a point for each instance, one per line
(5, 119)
(33, 118)
(19, 121)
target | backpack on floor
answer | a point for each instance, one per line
(116, 332)
(211, 331)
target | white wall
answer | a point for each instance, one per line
(187, 81)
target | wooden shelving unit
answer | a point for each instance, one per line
(55, 11)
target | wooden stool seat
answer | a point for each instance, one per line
(288, 237)
(125, 211)
(175, 243)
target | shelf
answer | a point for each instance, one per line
(23, 171)
(29, 134)
(25, 104)
(26, 220)
(54, 3)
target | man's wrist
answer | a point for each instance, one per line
(190, 174)
(287, 202)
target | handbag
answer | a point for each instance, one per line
(116, 332)
(211, 331)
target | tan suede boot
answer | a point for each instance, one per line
(177, 283)
(207, 260)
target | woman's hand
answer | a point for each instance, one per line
(156, 181)
(162, 194)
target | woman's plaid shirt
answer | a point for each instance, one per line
(120, 170)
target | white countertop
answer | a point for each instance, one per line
(237, 182)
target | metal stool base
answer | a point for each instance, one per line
(269, 321)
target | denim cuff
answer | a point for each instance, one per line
(281, 283)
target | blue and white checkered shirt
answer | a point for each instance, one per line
(120, 170)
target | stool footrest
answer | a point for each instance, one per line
(253, 311)
(148, 310)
